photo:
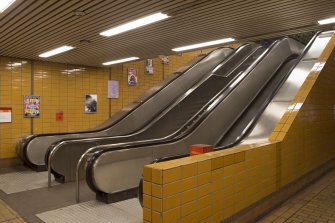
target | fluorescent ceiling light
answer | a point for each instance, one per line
(120, 61)
(135, 24)
(200, 45)
(56, 51)
(326, 21)
(4, 4)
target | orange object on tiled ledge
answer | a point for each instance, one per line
(200, 149)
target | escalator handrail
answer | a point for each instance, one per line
(253, 122)
(122, 146)
(29, 138)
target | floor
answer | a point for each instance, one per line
(314, 204)
(32, 201)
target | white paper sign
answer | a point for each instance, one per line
(5, 115)
(113, 89)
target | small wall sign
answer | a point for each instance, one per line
(59, 116)
(5, 115)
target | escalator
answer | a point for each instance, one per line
(103, 173)
(32, 149)
(65, 155)
(258, 121)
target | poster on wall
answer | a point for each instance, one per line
(91, 103)
(113, 89)
(149, 66)
(132, 76)
(165, 59)
(59, 116)
(5, 115)
(31, 106)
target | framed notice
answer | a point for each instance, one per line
(113, 89)
(91, 103)
(31, 106)
(5, 115)
(149, 66)
(132, 76)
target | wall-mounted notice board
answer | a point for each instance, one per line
(5, 115)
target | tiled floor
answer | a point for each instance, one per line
(314, 204)
(7, 215)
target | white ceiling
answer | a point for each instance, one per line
(31, 27)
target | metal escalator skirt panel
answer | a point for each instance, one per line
(36, 148)
(282, 100)
(207, 131)
(248, 117)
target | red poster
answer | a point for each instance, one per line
(59, 117)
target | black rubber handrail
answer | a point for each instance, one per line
(105, 148)
(28, 139)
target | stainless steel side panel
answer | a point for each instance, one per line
(207, 132)
(38, 146)
(278, 106)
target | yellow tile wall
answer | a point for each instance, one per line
(62, 88)
(223, 183)
(14, 82)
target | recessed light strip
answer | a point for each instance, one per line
(326, 21)
(4, 4)
(200, 45)
(135, 24)
(56, 51)
(120, 61)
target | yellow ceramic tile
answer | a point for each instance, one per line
(189, 208)
(204, 201)
(170, 175)
(189, 195)
(171, 215)
(156, 204)
(217, 174)
(147, 214)
(192, 218)
(188, 183)
(156, 217)
(171, 189)
(146, 188)
(189, 170)
(204, 166)
(172, 202)
(157, 176)
(204, 190)
(147, 201)
(217, 163)
(204, 178)
(204, 212)
(157, 190)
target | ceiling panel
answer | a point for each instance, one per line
(31, 27)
